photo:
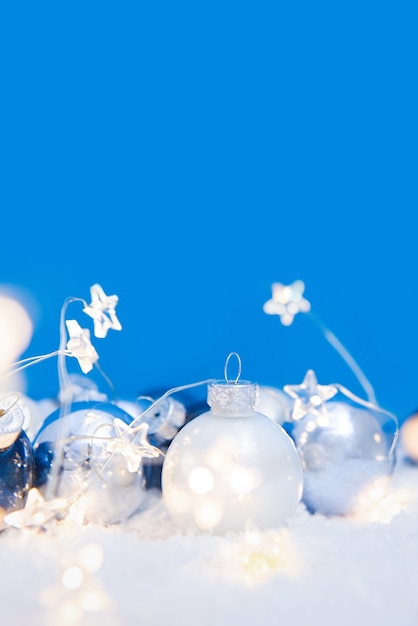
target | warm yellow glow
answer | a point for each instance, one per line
(262, 554)
(409, 436)
(252, 535)
(179, 500)
(259, 565)
(93, 600)
(91, 557)
(219, 454)
(77, 511)
(201, 480)
(72, 577)
(69, 614)
(16, 329)
(243, 481)
(39, 518)
(208, 513)
(377, 504)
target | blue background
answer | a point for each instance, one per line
(188, 155)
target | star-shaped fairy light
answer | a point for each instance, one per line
(102, 310)
(80, 347)
(37, 511)
(131, 443)
(309, 396)
(287, 301)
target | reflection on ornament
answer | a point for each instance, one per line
(165, 419)
(102, 310)
(345, 446)
(231, 466)
(409, 437)
(287, 301)
(16, 455)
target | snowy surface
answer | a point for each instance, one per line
(320, 570)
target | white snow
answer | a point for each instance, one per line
(330, 571)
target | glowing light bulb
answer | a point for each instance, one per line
(72, 577)
(409, 437)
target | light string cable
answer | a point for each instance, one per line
(66, 396)
(373, 407)
(18, 366)
(287, 301)
(137, 421)
(165, 395)
(133, 427)
(62, 352)
(65, 400)
(346, 356)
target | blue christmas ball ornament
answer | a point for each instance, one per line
(164, 419)
(77, 425)
(16, 456)
(44, 455)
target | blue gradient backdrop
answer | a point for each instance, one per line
(188, 155)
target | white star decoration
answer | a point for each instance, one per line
(131, 443)
(287, 301)
(80, 347)
(309, 396)
(37, 511)
(102, 310)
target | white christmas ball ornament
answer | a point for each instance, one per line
(274, 403)
(231, 466)
(347, 448)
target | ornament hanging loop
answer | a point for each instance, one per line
(228, 358)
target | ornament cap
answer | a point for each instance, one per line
(228, 398)
(11, 420)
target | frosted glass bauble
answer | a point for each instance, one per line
(109, 492)
(231, 466)
(346, 458)
(274, 403)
